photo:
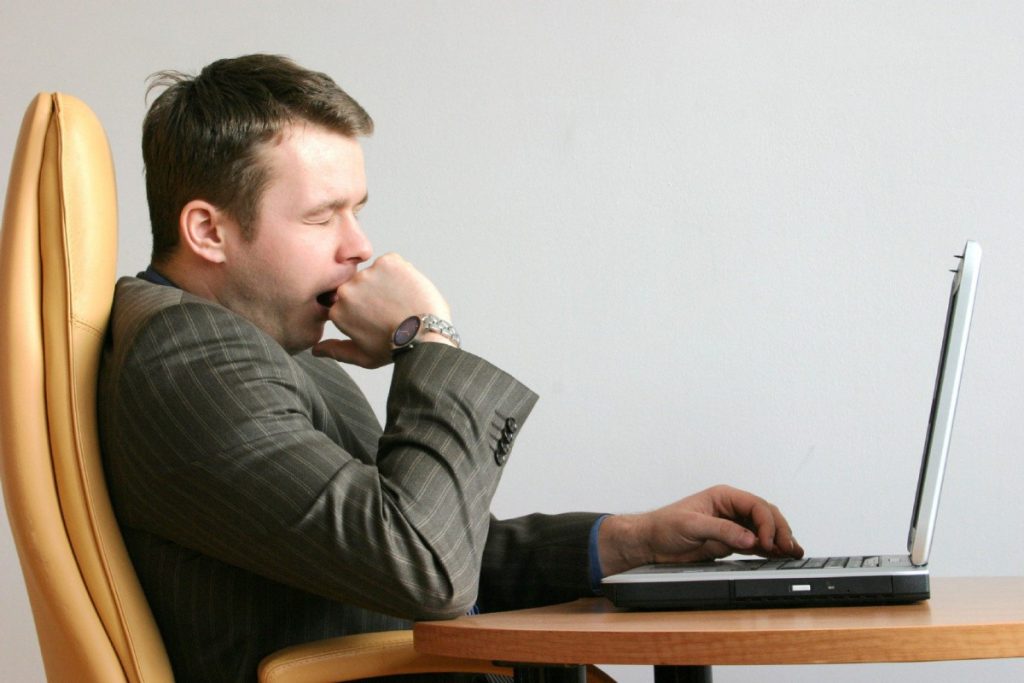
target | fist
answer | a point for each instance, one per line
(371, 305)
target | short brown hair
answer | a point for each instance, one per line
(202, 136)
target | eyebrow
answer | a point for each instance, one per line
(335, 204)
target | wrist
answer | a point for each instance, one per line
(621, 544)
(435, 338)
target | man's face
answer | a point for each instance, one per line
(306, 239)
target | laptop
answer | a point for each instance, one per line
(830, 581)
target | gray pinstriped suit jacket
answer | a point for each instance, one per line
(263, 504)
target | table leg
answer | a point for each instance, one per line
(525, 673)
(682, 674)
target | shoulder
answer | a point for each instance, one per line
(174, 321)
(189, 357)
(159, 331)
(137, 301)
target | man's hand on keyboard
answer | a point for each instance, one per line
(713, 523)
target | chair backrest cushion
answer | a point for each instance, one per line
(57, 272)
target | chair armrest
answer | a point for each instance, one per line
(365, 655)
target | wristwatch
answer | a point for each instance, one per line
(413, 327)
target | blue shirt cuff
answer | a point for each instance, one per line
(595, 560)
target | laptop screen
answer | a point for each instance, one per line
(947, 387)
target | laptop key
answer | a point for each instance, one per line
(816, 563)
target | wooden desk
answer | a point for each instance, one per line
(966, 618)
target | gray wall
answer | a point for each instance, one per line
(713, 236)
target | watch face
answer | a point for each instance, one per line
(406, 332)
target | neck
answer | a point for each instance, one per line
(198, 279)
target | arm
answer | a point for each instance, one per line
(536, 560)
(226, 459)
(544, 559)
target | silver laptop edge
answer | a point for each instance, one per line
(947, 389)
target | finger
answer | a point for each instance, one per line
(709, 550)
(780, 541)
(705, 530)
(336, 349)
(713, 550)
(345, 351)
(792, 546)
(764, 519)
(785, 540)
(773, 531)
(746, 508)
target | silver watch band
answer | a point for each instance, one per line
(444, 328)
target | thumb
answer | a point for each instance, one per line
(730, 533)
(345, 351)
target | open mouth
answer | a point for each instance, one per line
(327, 299)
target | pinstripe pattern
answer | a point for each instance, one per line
(263, 504)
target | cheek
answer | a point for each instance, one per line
(295, 261)
(284, 262)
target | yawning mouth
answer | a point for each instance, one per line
(327, 299)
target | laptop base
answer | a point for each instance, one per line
(761, 593)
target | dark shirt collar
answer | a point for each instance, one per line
(151, 275)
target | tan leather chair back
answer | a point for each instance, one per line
(57, 270)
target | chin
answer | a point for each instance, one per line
(295, 343)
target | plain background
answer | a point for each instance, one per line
(713, 236)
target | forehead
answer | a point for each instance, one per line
(308, 158)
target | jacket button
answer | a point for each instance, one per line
(511, 425)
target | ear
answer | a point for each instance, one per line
(201, 228)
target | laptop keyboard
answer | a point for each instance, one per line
(852, 562)
(849, 562)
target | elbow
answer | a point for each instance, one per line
(451, 594)
(447, 604)
(448, 585)
(443, 613)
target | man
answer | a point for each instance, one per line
(261, 501)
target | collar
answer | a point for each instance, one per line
(150, 274)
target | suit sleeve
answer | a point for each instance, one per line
(536, 560)
(211, 445)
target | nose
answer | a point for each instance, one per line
(354, 246)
